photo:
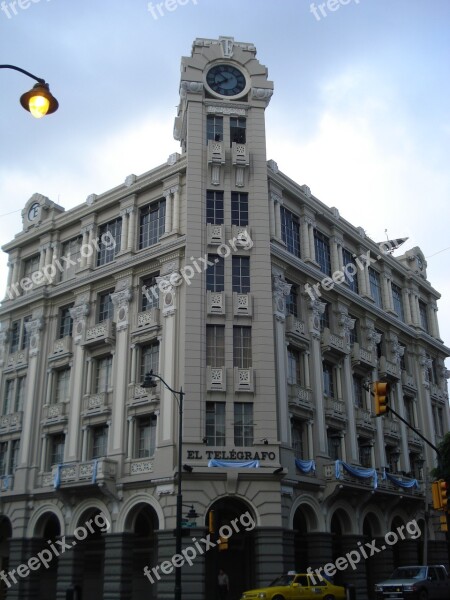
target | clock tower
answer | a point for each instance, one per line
(227, 361)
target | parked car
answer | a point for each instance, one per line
(297, 586)
(415, 582)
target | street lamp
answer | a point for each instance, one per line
(420, 463)
(149, 382)
(38, 101)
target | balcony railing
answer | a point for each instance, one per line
(391, 427)
(11, 422)
(408, 381)
(295, 326)
(300, 396)
(62, 346)
(93, 471)
(333, 342)
(147, 319)
(364, 418)
(216, 379)
(388, 368)
(17, 359)
(243, 380)
(362, 355)
(139, 395)
(97, 402)
(242, 304)
(335, 408)
(215, 302)
(101, 333)
(141, 465)
(215, 234)
(53, 412)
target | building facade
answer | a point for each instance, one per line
(274, 315)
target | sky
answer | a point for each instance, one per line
(360, 112)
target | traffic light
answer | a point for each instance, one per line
(443, 521)
(223, 543)
(380, 389)
(211, 527)
(443, 493)
(435, 494)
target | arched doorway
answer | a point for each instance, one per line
(47, 530)
(90, 553)
(142, 522)
(238, 560)
(300, 542)
(339, 526)
(5, 535)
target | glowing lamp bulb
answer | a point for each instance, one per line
(39, 106)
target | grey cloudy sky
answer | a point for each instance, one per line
(360, 113)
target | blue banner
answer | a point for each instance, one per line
(233, 464)
(408, 484)
(94, 471)
(57, 479)
(360, 472)
(306, 466)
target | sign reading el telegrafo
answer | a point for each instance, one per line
(229, 455)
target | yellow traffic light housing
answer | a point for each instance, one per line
(223, 543)
(435, 495)
(443, 493)
(443, 521)
(211, 522)
(380, 390)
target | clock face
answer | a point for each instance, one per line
(33, 212)
(226, 80)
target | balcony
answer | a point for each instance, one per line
(241, 236)
(17, 359)
(335, 409)
(239, 155)
(216, 152)
(364, 418)
(141, 466)
(55, 412)
(296, 327)
(11, 422)
(139, 395)
(216, 379)
(215, 234)
(413, 438)
(243, 380)
(102, 333)
(93, 471)
(147, 320)
(408, 381)
(242, 305)
(97, 403)
(437, 393)
(300, 396)
(388, 369)
(333, 343)
(391, 428)
(215, 303)
(362, 355)
(61, 347)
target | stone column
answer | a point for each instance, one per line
(407, 306)
(320, 551)
(346, 325)
(304, 238)
(70, 569)
(168, 220)
(78, 313)
(312, 248)
(176, 208)
(272, 216)
(434, 323)
(49, 391)
(42, 255)
(118, 566)
(132, 212)
(43, 466)
(268, 544)
(336, 253)
(131, 429)
(91, 251)
(84, 243)
(355, 577)
(133, 364)
(84, 443)
(281, 289)
(121, 301)
(317, 308)
(278, 218)
(124, 237)
(18, 555)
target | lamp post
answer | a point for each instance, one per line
(421, 465)
(38, 101)
(149, 382)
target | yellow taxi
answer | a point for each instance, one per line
(297, 586)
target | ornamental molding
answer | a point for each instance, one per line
(226, 110)
(79, 312)
(190, 87)
(121, 298)
(262, 94)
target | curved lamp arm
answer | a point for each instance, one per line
(38, 101)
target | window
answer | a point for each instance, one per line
(397, 299)
(62, 386)
(20, 338)
(99, 441)
(293, 366)
(20, 393)
(423, 315)
(322, 247)
(65, 322)
(241, 274)
(237, 130)
(215, 424)
(149, 359)
(151, 223)
(215, 274)
(409, 410)
(103, 374)
(146, 436)
(72, 251)
(292, 300)
(328, 380)
(214, 128)
(290, 231)
(30, 266)
(380, 343)
(8, 397)
(325, 318)
(239, 208)
(57, 449)
(215, 345)
(353, 333)
(14, 456)
(365, 454)
(375, 287)
(3, 458)
(214, 207)
(108, 251)
(350, 274)
(243, 424)
(298, 439)
(404, 360)
(334, 444)
(105, 306)
(358, 391)
(242, 347)
(392, 457)
(150, 293)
